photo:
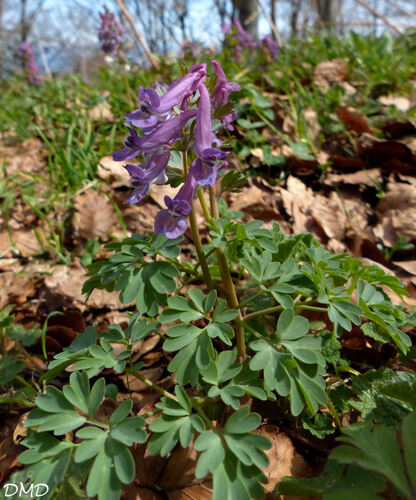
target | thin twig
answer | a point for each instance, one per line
(272, 24)
(378, 14)
(153, 61)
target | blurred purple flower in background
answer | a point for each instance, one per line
(30, 67)
(163, 117)
(270, 44)
(110, 33)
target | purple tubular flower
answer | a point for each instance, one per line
(156, 140)
(172, 222)
(110, 33)
(204, 167)
(142, 176)
(165, 132)
(131, 147)
(222, 88)
(154, 108)
(28, 61)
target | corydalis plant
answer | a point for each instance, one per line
(177, 118)
(236, 316)
(27, 58)
(110, 33)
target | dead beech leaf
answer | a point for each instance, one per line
(96, 215)
(179, 476)
(401, 103)
(369, 177)
(101, 112)
(64, 285)
(353, 119)
(391, 155)
(408, 265)
(346, 163)
(110, 170)
(26, 157)
(283, 458)
(17, 289)
(333, 71)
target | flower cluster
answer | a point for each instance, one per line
(163, 116)
(240, 40)
(111, 32)
(30, 67)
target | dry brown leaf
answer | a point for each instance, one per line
(64, 285)
(283, 458)
(110, 170)
(398, 196)
(17, 289)
(26, 157)
(96, 215)
(408, 265)
(401, 103)
(346, 163)
(333, 71)
(353, 119)
(369, 177)
(101, 112)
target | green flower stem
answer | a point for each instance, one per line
(150, 384)
(102, 425)
(334, 414)
(204, 207)
(25, 383)
(151, 413)
(198, 247)
(311, 308)
(271, 310)
(228, 283)
(249, 299)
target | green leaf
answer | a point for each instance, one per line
(129, 431)
(91, 446)
(212, 454)
(242, 421)
(121, 412)
(122, 460)
(96, 396)
(375, 449)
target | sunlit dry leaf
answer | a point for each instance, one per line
(26, 157)
(401, 103)
(110, 170)
(328, 72)
(283, 458)
(96, 215)
(101, 112)
(408, 265)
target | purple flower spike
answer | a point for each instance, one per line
(172, 222)
(110, 33)
(28, 61)
(142, 176)
(271, 46)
